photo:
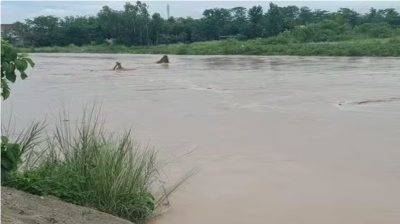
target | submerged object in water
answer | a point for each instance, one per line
(118, 66)
(370, 101)
(164, 59)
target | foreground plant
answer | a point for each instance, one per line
(10, 157)
(10, 62)
(86, 165)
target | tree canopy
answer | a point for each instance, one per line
(135, 26)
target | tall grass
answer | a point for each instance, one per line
(280, 45)
(86, 165)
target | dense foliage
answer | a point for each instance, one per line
(135, 26)
(10, 157)
(280, 45)
(10, 62)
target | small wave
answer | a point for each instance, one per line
(118, 70)
(158, 89)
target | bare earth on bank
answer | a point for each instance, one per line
(280, 140)
(18, 207)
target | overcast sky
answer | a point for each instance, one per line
(12, 11)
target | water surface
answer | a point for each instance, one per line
(272, 142)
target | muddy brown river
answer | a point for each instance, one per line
(280, 140)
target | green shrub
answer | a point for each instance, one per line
(286, 43)
(327, 30)
(379, 30)
(10, 157)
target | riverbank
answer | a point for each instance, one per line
(21, 207)
(269, 46)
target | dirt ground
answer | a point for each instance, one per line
(18, 207)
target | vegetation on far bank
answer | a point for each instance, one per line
(284, 30)
(81, 163)
(269, 46)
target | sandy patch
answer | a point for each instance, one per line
(18, 207)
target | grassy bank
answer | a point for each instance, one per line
(268, 46)
(89, 166)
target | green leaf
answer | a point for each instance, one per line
(29, 61)
(11, 54)
(12, 151)
(23, 75)
(10, 67)
(4, 174)
(10, 157)
(6, 163)
(4, 140)
(5, 89)
(11, 76)
(4, 66)
(21, 64)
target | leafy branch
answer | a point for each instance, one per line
(10, 63)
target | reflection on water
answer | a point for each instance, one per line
(271, 141)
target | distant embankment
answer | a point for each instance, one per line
(268, 46)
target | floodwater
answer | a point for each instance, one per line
(277, 140)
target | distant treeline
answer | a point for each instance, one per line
(134, 26)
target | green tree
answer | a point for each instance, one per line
(348, 16)
(10, 62)
(44, 31)
(217, 20)
(134, 26)
(305, 16)
(239, 20)
(392, 17)
(255, 15)
(290, 16)
(21, 30)
(109, 22)
(156, 27)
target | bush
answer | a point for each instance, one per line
(326, 30)
(13, 154)
(379, 30)
(283, 44)
(394, 40)
(94, 168)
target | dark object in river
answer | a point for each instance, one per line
(118, 66)
(164, 59)
(378, 101)
(371, 101)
